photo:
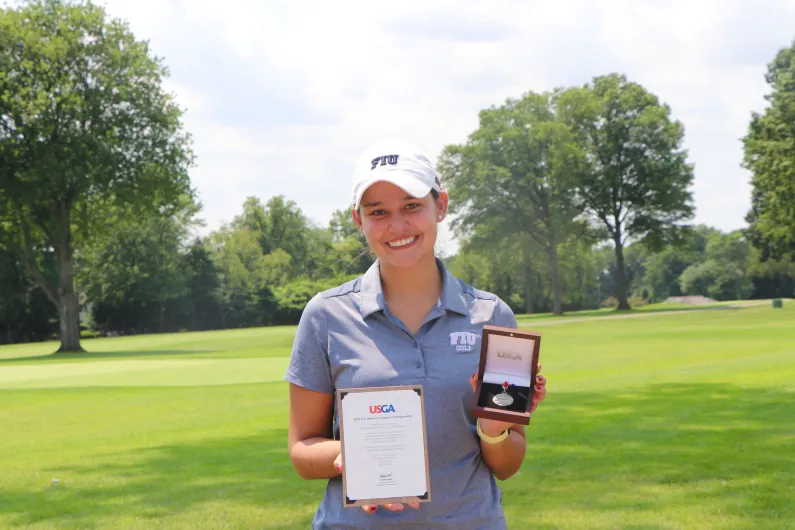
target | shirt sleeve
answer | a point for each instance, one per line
(503, 315)
(309, 363)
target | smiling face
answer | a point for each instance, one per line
(400, 229)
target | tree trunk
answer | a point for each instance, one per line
(557, 296)
(68, 309)
(68, 314)
(528, 283)
(621, 275)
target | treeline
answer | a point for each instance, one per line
(582, 196)
(148, 275)
(262, 268)
(710, 263)
(569, 199)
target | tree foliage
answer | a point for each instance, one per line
(516, 174)
(135, 271)
(25, 312)
(519, 273)
(664, 268)
(723, 273)
(83, 120)
(637, 183)
(571, 199)
(770, 155)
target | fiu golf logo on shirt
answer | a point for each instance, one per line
(384, 160)
(463, 340)
(381, 409)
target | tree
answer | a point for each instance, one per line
(132, 270)
(248, 277)
(771, 278)
(510, 267)
(83, 119)
(637, 184)
(770, 156)
(278, 225)
(723, 274)
(349, 252)
(204, 302)
(25, 313)
(342, 226)
(580, 274)
(517, 173)
(517, 270)
(350, 256)
(636, 257)
(664, 268)
(294, 296)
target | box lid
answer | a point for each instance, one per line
(509, 359)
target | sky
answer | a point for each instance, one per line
(282, 96)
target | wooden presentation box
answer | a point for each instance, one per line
(507, 374)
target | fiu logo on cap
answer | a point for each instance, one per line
(508, 355)
(381, 409)
(384, 160)
(463, 341)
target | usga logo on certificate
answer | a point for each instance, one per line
(384, 445)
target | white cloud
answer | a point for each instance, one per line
(282, 96)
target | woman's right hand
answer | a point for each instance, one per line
(371, 508)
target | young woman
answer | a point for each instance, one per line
(396, 325)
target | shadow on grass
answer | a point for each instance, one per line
(93, 356)
(163, 481)
(709, 450)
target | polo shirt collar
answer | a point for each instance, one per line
(372, 294)
(452, 295)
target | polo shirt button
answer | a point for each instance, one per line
(419, 364)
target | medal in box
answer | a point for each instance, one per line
(507, 374)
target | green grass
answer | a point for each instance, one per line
(661, 307)
(681, 420)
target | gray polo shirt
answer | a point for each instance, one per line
(347, 338)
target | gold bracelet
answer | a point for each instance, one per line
(492, 439)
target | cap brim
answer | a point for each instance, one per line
(407, 183)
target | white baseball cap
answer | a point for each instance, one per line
(398, 162)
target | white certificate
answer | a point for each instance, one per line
(384, 445)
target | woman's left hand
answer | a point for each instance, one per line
(495, 427)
